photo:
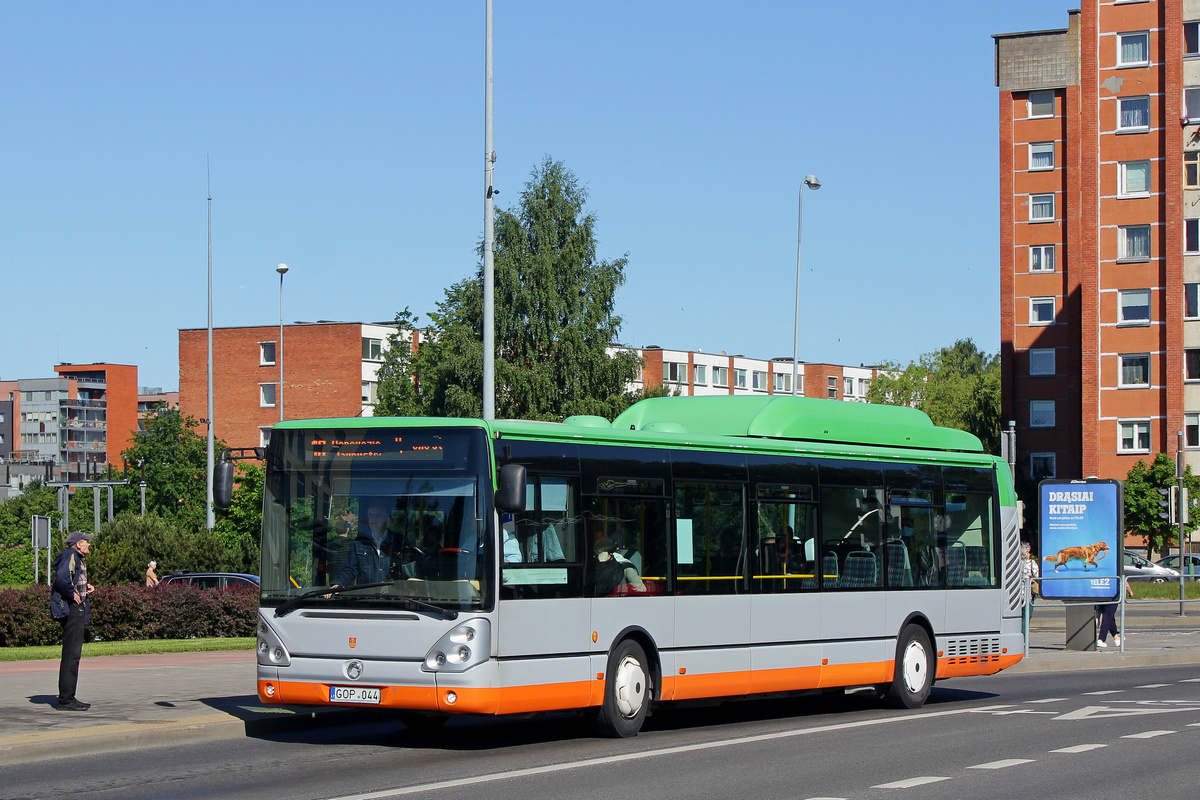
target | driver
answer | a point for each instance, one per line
(369, 559)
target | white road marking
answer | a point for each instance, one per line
(1079, 748)
(1107, 691)
(1100, 712)
(1152, 686)
(908, 783)
(1048, 700)
(1007, 762)
(1194, 724)
(665, 751)
(1190, 680)
(1147, 734)
(825, 798)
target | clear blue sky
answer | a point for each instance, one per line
(346, 139)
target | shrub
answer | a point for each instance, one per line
(121, 613)
(16, 564)
(125, 546)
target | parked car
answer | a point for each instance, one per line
(1189, 559)
(1137, 567)
(209, 580)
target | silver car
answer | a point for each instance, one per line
(1192, 559)
(1137, 567)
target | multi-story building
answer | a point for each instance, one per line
(329, 369)
(150, 399)
(1100, 237)
(692, 372)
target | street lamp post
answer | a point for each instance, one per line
(281, 269)
(811, 182)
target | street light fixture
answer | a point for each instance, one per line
(281, 269)
(813, 183)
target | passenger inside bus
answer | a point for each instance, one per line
(613, 574)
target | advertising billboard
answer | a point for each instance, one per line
(1082, 533)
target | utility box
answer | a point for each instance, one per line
(1081, 628)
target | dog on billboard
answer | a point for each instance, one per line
(1086, 553)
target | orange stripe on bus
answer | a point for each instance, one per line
(422, 698)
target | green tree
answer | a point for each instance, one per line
(957, 386)
(397, 391)
(554, 304)
(124, 547)
(1142, 498)
(239, 526)
(174, 455)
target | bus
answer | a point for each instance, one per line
(693, 547)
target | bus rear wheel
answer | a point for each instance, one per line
(913, 678)
(626, 693)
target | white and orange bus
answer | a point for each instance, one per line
(694, 547)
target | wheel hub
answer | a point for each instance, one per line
(629, 687)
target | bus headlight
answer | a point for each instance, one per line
(453, 654)
(270, 650)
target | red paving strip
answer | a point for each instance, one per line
(143, 660)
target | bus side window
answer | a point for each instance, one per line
(852, 527)
(541, 556)
(638, 528)
(710, 548)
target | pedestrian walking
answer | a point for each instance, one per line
(69, 605)
(1032, 571)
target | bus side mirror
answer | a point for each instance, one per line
(510, 496)
(223, 484)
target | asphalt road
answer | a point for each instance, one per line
(1093, 735)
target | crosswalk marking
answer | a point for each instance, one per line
(908, 783)
(1147, 734)
(1079, 748)
(1007, 762)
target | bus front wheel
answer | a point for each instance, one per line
(626, 693)
(913, 676)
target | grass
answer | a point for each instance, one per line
(1146, 590)
(129, 648)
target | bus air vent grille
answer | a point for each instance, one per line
(978, 650)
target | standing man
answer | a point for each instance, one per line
(68, 605)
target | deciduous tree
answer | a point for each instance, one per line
(1142, 497)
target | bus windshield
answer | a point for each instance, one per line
(406, 508)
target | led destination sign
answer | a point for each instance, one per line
(373, 445)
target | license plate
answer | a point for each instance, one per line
(353, 694)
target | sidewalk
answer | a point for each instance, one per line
(180, 698)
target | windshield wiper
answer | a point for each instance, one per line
(288, 606)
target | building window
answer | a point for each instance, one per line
(1133, 113)
(1041, 156)
(1041, 104)
(1133, 179)
(1041, 361)
(1041, 311)
(847, 387)
(721, 376)
(833, 388)
(266, 395)
(1133, 307)
(1133, 49)
(1041, 207)
(264, 436)
(370, 392)
(739, 379)
(1133, 436)
(1041, 258)
(266, 354)
(864, 386)
(1135, 370)
(1191, 300)
(1042, 466)
(758, 381)
(1191, 38)
(783, 383)
(1191, 364)
(1133, 243)
(1041, 413)
(700, 374)
(1191, 102)
(1191, 169)
(674, 372)
(1191, 430)
(1191, 236)
(372, 349)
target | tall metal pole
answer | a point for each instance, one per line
(811, 182)
(1180, 516)
(281, 269)
(489, 278)
(210, 518)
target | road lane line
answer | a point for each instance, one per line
(1007, 762)
(1107, 691)
(1048, 700)
(1152, 686)
(1079, 748)
(908, 783)
(1147, 734)
(1190, 680)
(665, 751)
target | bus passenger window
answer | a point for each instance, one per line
(785, 547)
(636, 527)
(852, 528)
(540, 552)
(710, 552)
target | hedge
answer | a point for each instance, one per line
(126, 612)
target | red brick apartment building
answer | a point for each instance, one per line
(1100, 237)
(692, 372)
(329, 370)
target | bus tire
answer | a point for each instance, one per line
(422, 723)
(913, 677)
(626, 693)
